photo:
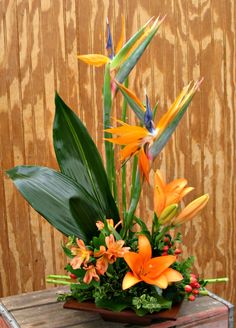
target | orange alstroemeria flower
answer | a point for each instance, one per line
(166, 194)
(154, 271)
(107, 256)
(90, 274)
(82, 254)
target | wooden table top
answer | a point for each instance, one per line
(40, 309)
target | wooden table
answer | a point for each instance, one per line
(40, 309)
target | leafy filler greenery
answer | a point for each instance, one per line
(115, 258)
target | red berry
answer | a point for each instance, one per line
(73, 276)
(195, 291)
(193, 275)
(166, 240)
(178, 251)
(193, 280)
(191, 298)
(165, 248)
(188, 288)
(195, 285)
(164, 253)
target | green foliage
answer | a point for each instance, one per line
(61, 201)
(150, 303)
(79, 158)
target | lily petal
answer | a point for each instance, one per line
(133, 260)
(158, 265)
(176, 185)
(173, 275)
(186, 191)
(161, 281)
(129, 280)
(144, 247)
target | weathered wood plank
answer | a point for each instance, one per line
(41, 308)
(27, 300)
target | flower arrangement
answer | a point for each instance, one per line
(115, 258)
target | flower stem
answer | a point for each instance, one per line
(59, 282)
(56, 276)
(109, 150)
(213, 280)
(203, 292)
(134, 202)
(123, 176)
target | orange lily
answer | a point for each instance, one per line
(154, 271)
(82, 254)
(168, 194)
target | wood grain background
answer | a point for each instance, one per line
(39, 41)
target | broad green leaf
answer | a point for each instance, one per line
(166, 134)
(134, 106)
(52, 194)
(79, 158)
(131, 61)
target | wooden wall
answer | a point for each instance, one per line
(39, 41)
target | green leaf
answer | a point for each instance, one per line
(51, 194)
(133, 105)
(166, 134)
(117, 304)
(129, 64)
(79, 158)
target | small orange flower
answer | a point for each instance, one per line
(90, 274)
(167, 194)
(100, 225)
(102, 265)
(107, 256)
(153, 271)
(82, 254)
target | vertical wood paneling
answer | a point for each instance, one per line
(39, 45)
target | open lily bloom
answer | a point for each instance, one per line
(155, 271)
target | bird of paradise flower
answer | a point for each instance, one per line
(148, 140)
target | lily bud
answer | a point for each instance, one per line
(168, 213)
(191, 209)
